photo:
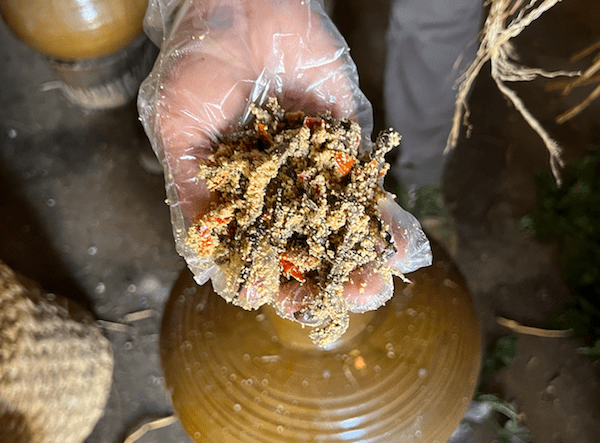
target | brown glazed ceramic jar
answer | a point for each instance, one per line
(403, 373)
(96, 47)
(75, 29)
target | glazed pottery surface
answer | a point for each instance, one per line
(404, 373)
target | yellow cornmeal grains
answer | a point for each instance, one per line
(298, 200)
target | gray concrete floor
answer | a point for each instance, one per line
(83, 214)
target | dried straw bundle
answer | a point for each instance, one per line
(507, 19)
(588, 76)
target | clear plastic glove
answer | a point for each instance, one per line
(217, 57)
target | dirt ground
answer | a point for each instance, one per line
(489, 186)
(82, 213)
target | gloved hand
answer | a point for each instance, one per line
(217, 57)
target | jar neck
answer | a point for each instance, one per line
(295, 335)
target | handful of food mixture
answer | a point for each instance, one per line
(298, 199)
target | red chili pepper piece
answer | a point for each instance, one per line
(205, 241)
(344, 162)
(214, 185)
(216, 182)
(303, 176)
(264, 135)
(291, 270)
(312, 123)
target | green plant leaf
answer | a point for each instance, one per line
(571, 214)
(500, 354)
(592, 351)
(513, 430)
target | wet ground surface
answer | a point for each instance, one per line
(83, 214)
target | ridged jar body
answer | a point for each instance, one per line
(405, 373)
